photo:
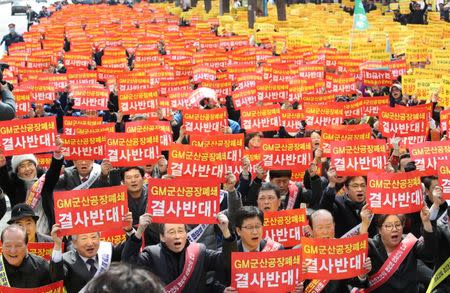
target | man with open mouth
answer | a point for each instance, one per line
(345, 209)
(20, 268)
(181, 265)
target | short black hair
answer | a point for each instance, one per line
(270, 186)
(248, 212)
(428, 180)
(404, 156)
(15, 227)
(411, 166)
(124, 170)
(163, 225)
(279, 173)
(351, 178)
(124, 277)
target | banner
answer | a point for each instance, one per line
(358, 157)
(132, 149)
(292, 120)
(205, 121)
(28, 136)
(71, 123)
(115, 237)
(286, 153)
(394, 193)
(263, 118)
(23, 102)
(184, 200)
(84, 147)
(372, 105)
(427, 155)
(445, 120)
(138, 101)
(285, 226)
(377, 77)
(409, 123)
(163, 127)
(444, 179)
(274, 271)
(44, 160)
(90, 98)
(343, 133)
(334, 259)
(324, 115)
(244, 97)
(272, 91)
(99, 209)
(57, 287)
(197, 162)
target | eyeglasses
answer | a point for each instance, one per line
(251, 228)
(390, 227)
(358, 185)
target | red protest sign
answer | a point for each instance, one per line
(343, 133)
(274, 271)
(264, 118)
(57, 287)
(324, 115)
(427, 155)
(138, 101)
(245, 96)
(44, 160)
(285, 226)
(272, 91)
(82, 77)
(197, 162)
(183, 200)
(23, 102)
(377, 77)
(445, 120)
(371, 105)
(104, 129)
(444, 179)
(205, 121)
(358, 157)
(71, 124)
(90, 98)
(131, 149)
(92, 210)
(28, 136)
(286, 153)
(163, 127)
(334, 259)
(292, 119)
(407, 122)
(394, 193)
(115, 237)
(84, 147)
(42, 249)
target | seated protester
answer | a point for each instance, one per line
(122, 277)
(293, 194)
(345, 209)
(442, 254)
(390, 244)
(89, 258)
(30, 184)
(21, 269)
(86, 174)
(323, 227)
(438, 206)
(24, 216)
(170, 259)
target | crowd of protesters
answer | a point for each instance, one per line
(156, 256)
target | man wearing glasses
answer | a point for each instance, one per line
(345, 209)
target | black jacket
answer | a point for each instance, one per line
(168, 265)
(345, 212)
(405, 277)
(32, 273)
(73, 270)
(441, 254)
